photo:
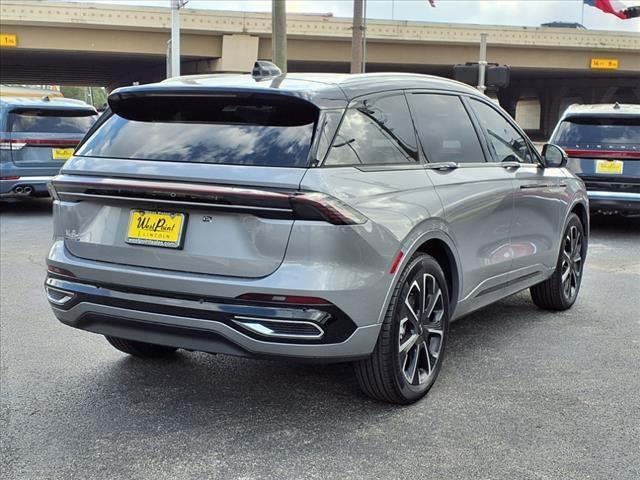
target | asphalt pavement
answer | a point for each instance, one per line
(523, 394)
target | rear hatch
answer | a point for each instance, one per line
(46, 137)
(195, 183)
(603, 150)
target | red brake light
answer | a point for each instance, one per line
(9, 178)
(319, 206)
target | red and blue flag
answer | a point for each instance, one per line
(613, 7)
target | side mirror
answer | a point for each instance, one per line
(554, 156)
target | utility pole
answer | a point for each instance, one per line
(175, 37)
(364, 37)
(482, 63)
(279, 33)
(356, 38)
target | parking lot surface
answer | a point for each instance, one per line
(523, 393)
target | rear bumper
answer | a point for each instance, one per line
(622, 202)
(15, 188)
(210, 325)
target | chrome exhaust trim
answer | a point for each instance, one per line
(58, 297)
(280, 328)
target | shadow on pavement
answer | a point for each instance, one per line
(262, 390)
(34, 206)
(614, 224)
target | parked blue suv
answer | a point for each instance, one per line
(36, 137)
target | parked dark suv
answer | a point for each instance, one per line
(316, 217)
(37, 135)
(603, 145)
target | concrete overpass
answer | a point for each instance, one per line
(71, 43)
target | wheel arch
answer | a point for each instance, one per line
(583, 214)
(437, 244)
(443, 254)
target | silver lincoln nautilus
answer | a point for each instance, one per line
(319, 217)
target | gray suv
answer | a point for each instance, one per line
(37, 135)
(315, 217)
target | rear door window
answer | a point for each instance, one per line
(51, 121)
(222, 130)
(445, 129)
(375, 131)
(592, 131)
(505, 142)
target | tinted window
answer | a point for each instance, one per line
(207, 131)
(377, 130)
(445, 130)
(598, 130)
(51, 121)
(506, 144)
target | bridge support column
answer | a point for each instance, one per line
(239, 52)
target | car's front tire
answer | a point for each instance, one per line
(140, 349)
(408, 355)
(560, 291)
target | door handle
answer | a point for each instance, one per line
(510, 165)
(442, 166)
(536, 185)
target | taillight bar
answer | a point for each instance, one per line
(603, 153)
(298, 205)
(17, 144)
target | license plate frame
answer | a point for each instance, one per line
(62, 153)
(609, 167)
(149, 235)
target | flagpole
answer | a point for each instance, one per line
(582, 18)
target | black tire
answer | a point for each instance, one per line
(140, 349)
(558, 293)
(383, 375)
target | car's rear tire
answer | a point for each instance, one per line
(560, 291)
(140, 349)
(408, 355)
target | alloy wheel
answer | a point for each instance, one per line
(421, 332)
(571, 266)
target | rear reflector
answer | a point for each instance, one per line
(396, 262)
(294, 299)
(59, 271)
(9, 178)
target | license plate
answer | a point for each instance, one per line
(609, 166)
(61, 153)
(159, 229)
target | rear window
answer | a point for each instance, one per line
(599, 130)
(220, 130)
(51, 121)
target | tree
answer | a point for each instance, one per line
(97, 96)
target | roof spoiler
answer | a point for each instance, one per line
(211, 105)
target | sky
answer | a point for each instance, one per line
(490, 12)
